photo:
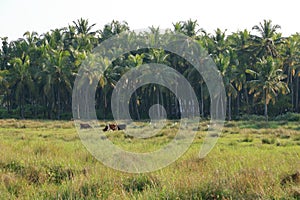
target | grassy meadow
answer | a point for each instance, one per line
(251, 160)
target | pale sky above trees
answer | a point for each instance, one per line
(19, 16)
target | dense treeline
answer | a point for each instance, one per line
(260, 71)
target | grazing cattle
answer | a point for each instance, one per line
(84, 126)
(114, 127)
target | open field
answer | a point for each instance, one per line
(252, 160)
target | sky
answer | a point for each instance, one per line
(19, 16)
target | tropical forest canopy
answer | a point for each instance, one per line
(260, 70)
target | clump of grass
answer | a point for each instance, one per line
(268, 140)
(209, 192)
(90, 190)
(233, 143)
(296, 192)
(217, 193)
(14, 166)
(35, 175)
(57, 174)
(40, 150)
(85, 190)
(297, 138)
(12, 185)
(284, 136)
(139, 183)
(247, 139)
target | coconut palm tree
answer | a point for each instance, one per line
(291, 63)
(242, 53)
(113, 28)
(4, 92)
(188, 28)
(58, 76)
(267, 40)
(268, 82)
(21, 81)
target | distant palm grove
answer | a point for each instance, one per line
(260, 70)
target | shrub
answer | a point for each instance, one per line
(252, 118)
(289, 116)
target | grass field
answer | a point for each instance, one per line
(252, 160)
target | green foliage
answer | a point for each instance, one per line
(37, 72)
(289, 116)
(251, 118)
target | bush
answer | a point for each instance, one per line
(247, 117)
(289, 116)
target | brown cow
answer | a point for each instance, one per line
(114, 127)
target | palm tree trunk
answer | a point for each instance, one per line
(176, 101)
(136, 106)
(229, 107)
(157, 98)
(161, 99)
(247, 100)
(105, 105)
(292, 93)
(22, 105)
(297, 94)
(266, 105)
(169, 99)
(202, 100)
(266, 111)
(58, 105)
(238, 104)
